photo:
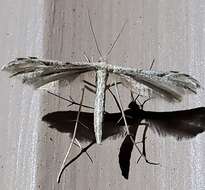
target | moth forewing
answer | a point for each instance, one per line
(134, 86)
(169, 85)
(39, 72)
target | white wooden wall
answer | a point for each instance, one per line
(172, 32)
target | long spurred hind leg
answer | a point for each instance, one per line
(75, 158)
(144, 146)
(71, 101)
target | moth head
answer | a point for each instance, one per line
(133, 105)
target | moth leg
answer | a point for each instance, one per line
(144, 146)
(116, 39)
(113, 84)
(79, 145)
(75, 158)
(132, 138)
(72, 102)
(73, 138)
(107, 88)
(88, 86)
(150, 68)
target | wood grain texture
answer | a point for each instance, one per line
(21, 34)
(172, 32)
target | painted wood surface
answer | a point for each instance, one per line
(172, 32)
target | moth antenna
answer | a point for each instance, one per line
(148, 99)
(109, 51)
(116, 101)
(92, 30)
(87, 86)
(73, 138)
(136, 100)
(89, 83)
(90, 89)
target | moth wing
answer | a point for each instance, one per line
(37, 72)
(64, 121)
(169, 85)
(180, 124)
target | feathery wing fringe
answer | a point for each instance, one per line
(169, 85)
(38, 72)
(159, 89)
(180, 124)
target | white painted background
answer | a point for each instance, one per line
(172, 32)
